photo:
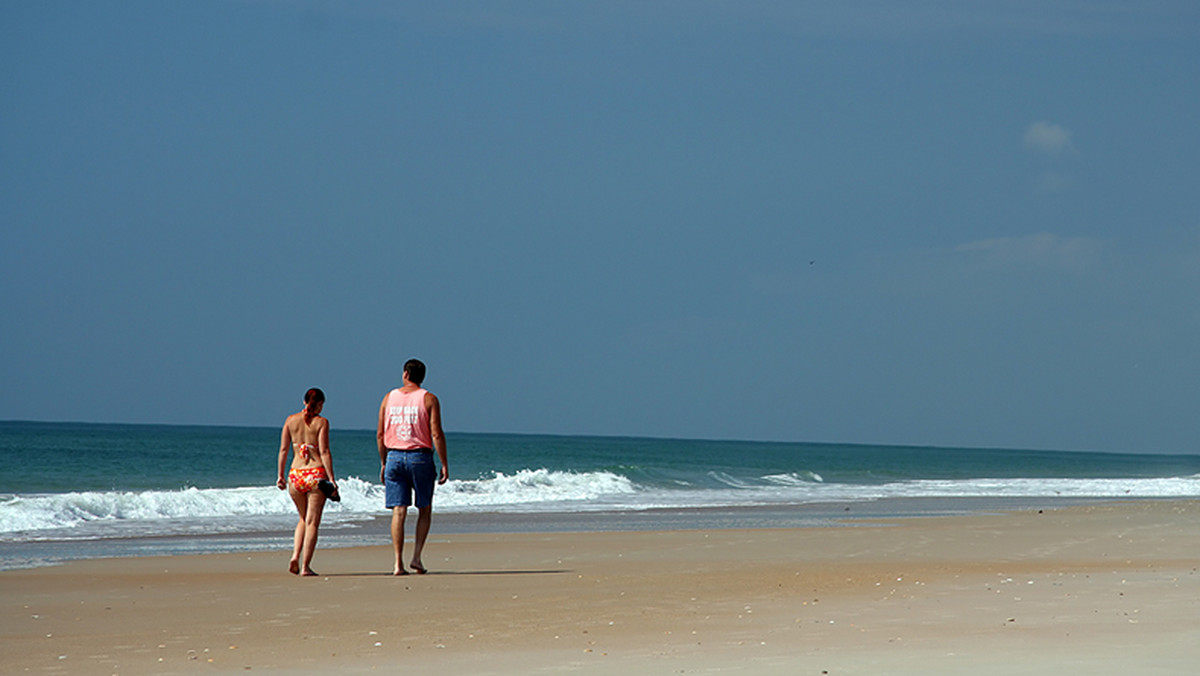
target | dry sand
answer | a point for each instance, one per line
(1103, 589)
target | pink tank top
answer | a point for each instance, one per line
(406, 421)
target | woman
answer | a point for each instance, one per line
(312, 465)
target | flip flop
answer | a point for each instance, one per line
(326, 486)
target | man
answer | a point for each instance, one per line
(409, 429)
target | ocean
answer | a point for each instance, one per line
(76, 490)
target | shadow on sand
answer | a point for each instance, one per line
(452, 572)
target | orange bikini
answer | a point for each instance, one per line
(306, 479)
(305, 451)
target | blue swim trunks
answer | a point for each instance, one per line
(406, 473)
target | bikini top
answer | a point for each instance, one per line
(304, 450)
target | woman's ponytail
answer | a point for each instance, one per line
(312, 399)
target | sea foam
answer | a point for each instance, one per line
(100, 514)
(251, 508)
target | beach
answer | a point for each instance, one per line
(1109, 588)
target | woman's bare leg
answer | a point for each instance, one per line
(298, 540)
(312, 525)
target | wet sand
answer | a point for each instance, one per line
(1098, 589)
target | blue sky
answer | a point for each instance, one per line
(945, 222)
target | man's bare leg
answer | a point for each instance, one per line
(424, 518)
(398, 516)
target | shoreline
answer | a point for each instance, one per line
(19, 555)
(1103, 588)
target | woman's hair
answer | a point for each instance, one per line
(311, 398)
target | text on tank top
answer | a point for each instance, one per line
(406, 421)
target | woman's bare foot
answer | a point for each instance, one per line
(399, 571)
(294, 567)
(416, 565)
(308, 572)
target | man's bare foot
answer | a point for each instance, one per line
(294, 567)
(416, 565)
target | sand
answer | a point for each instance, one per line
(1101, 589)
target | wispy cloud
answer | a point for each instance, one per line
(1051, 139)
(922, 19)
(1052, 182)
(912, 19)
(1043, 249)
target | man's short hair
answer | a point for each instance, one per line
(415, 370)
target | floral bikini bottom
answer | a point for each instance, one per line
(305, 480)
